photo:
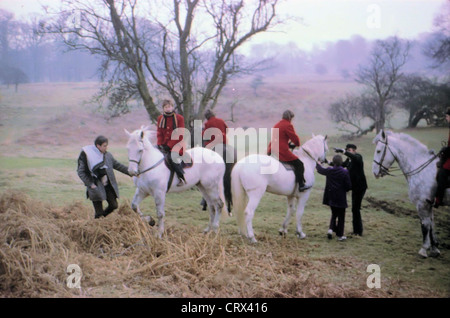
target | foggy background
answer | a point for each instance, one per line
(301, 49)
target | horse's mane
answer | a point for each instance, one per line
(313, 141)
(408, 139)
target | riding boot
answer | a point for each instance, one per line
(441, 179)
(299, 171)
(204, 204)
(180, 174)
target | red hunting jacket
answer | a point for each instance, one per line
(446, 165)
(218, 123)
(166, 125)
(286, 133)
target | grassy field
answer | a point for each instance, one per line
(43, 127)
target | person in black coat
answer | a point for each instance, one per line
(355, 165)
(95, 169)
(335, 195)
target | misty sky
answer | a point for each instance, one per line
(324, 20)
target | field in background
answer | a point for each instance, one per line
(43, 127)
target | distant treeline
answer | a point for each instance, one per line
(26, 55)
(341, 58)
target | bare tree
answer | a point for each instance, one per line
(190, 55)
(438, 48)
(382, 73)
(354, 114)
(423, 99)
(6, 24)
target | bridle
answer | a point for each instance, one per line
(385, 170)
(138, 162)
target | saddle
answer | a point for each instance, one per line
(287, 166)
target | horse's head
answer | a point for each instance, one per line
(138, 142)
(383, 158)
(322, 158)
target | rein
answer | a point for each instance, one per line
(148, 169)
(406, 174)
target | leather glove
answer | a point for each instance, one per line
(339, 150)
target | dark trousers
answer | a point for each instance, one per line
(176, 166)
(337, 221)
(112, 203)
(357, 196)
(299, 171)
(441, 179)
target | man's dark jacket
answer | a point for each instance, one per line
(89, 178)
(336, 186)
(355, 166)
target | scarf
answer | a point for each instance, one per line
(163, 122)
(94, 157)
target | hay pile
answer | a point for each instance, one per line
(120, 257)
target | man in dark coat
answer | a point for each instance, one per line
(280, 147)
(335, 194)
(355, 165)
(95, 169)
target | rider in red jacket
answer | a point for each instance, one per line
(280, 147)
(167, 123)
(213, 122)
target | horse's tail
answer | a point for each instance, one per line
(230, 157)
(227, 186)
(240, 199)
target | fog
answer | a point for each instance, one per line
(27, 57)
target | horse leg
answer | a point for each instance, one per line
(160, 200)
(137, 199)
(426, 231)
(433, 239)
(292, 202)
(300, 210)
(215, 204)
(429, 236)
(254, 196)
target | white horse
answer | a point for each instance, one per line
(253, 175)
(418, 165)
(152, 177)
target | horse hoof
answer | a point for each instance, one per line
(301, 235)
(149, 220)
(435, 252)
(423, 253)
(253, 240)
(282, 233)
